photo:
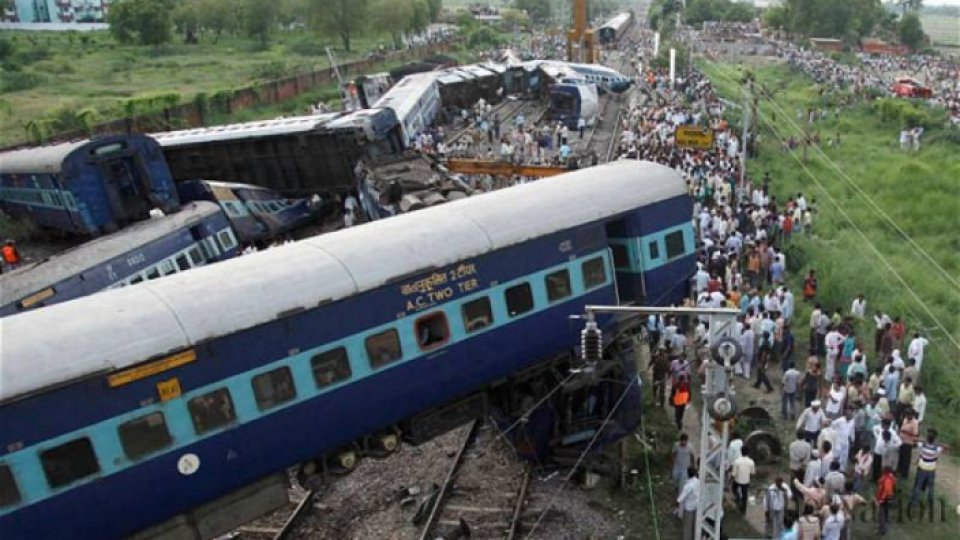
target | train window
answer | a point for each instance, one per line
(558, 285)
(9, 493)
(383, 348)
(209, 247)
(432, 331)
(69, 462)
(594, 273)
(144, 435)
(675, 244)
(167, 267)
(273, 388)
(621, 257)
(153, 273)
(477, 314)
(331, 367)
(654, 248)
(231, 208)
(519, 299)
(274, 207)
(136, 279)
(226, 240)
(196, 257)
(183, 263)
(211, 411)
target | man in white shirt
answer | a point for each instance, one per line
(915, 350)
(833, 524)
(689, 500)
(859, 307)
(811, 421)
(775, 502)
(742, 470)
(833, 341)
(880, 322)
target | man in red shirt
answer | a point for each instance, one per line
(886, 487)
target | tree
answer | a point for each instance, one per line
(147, 22)
(217, 16)
(385, 16)
(911, 31)
(435, 6)
(515, 17)
(419, 17)
(186, 20)
(538, 10)
(344, 18)
(259, 18)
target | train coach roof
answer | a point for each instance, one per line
(49, 159)
(261, 128)
(37, 276)
(119, 328)
(618, 20)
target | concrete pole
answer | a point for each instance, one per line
(673, 67)
(656, 44)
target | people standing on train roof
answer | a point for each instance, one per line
(581, 126)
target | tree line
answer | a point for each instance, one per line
(155, 22)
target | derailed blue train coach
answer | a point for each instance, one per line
(88, 187)
(118, 420)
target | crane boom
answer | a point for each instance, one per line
(580, 34)
(502, 168)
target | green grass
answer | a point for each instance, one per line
(918, 191)
(79, 72)
(942, 29)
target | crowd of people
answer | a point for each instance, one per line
(876, 74)
(860, 423)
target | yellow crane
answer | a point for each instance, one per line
(580, 35)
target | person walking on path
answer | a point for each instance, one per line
(775, 502)
(680, 399)
(810, 287)
(742, 471)
(886, 487)
(930, 451)
(762, 361)
(809, 524)
(810, 383)
(689, 500)
(681, 459)
(790, 382)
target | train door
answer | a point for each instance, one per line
(623, 238)
(126, 182)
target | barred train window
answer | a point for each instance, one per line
(477, 314)
(331, 367)
(594, 273)
(144, 435)
(621, 256)
(383, 348)
(519, 299)
(558, 285)
(211, 411)
(69, 462)
(273, 388)
(9, 493)
(675, 244)
(432, 330)
(654, 249)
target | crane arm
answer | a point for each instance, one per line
(502, 168)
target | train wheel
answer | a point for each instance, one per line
(344, 462)
(389, 442)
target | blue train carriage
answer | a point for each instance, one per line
(197, 235)
(182, 415)
(87, 187)
(571, 100)
(416, 102)
(613, 30)
(256, 215)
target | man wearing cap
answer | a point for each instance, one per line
(811, 421)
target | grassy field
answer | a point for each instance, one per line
(943, 29)
(918, 191)
(93, 72)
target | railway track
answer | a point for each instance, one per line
(280, 525)
(484, 493)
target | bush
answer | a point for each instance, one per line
(14, 81)
(32, 55)
(271, 70)
(306, 47)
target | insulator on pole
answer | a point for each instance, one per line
(591, 343)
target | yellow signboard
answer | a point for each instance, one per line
(146, 370)
(36, 298)
(169, 389)
(694, 137)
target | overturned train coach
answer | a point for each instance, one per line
(88, 187)
(174, 407)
